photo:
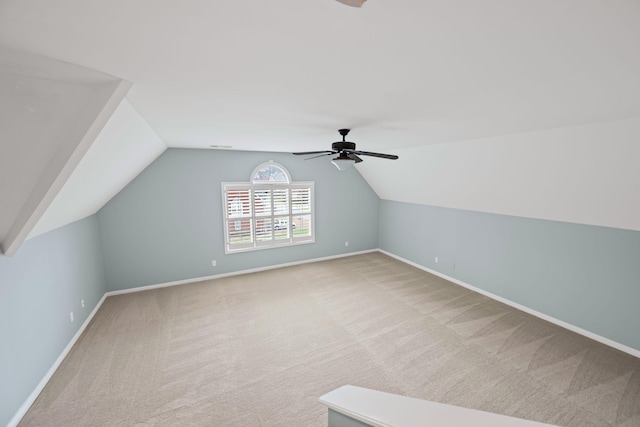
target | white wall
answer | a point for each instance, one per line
(584, 174)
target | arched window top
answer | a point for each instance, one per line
(270, 172)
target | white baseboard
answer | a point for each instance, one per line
(34, 395)
(36, 392)
(43, 382)
(573, 328)
(234, 273)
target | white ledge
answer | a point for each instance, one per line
(380, 409)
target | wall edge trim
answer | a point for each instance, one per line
(606, 341)
(24, 408)
(234, 273)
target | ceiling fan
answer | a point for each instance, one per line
(354, 3)
(346, 151)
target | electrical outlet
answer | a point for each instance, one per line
(82, 303)
(437, 260)
(346, 243)
(213, 263)
(71, 316)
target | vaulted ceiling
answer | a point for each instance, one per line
(284, 75)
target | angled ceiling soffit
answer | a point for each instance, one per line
(50, 114)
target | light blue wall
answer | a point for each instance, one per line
(167, 224)
(39, 287)
(584, 275)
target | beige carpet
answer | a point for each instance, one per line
(259, 349)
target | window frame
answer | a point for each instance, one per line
(248, 196)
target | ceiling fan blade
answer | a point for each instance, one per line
(326, 153)
(306, 153)
(352, 156)
(383, 156)
(346, 150)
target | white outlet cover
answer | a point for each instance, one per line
(71, 316)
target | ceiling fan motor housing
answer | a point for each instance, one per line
(343, 145)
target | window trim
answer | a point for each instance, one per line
(254, 244)
(270, 163)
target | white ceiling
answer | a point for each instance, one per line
(284, 75)
(121, 151)
(50, 114)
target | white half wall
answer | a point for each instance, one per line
(583, 174)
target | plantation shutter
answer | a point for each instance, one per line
(269, 211)
(301, 211)
(238, 217)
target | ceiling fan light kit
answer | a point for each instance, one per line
(343, 162)
(353, 3)
(346, 151)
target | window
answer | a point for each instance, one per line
(268, 211)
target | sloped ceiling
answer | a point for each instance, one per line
(50, 114)
(123, 149)
(582, 174)
(284, 75)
